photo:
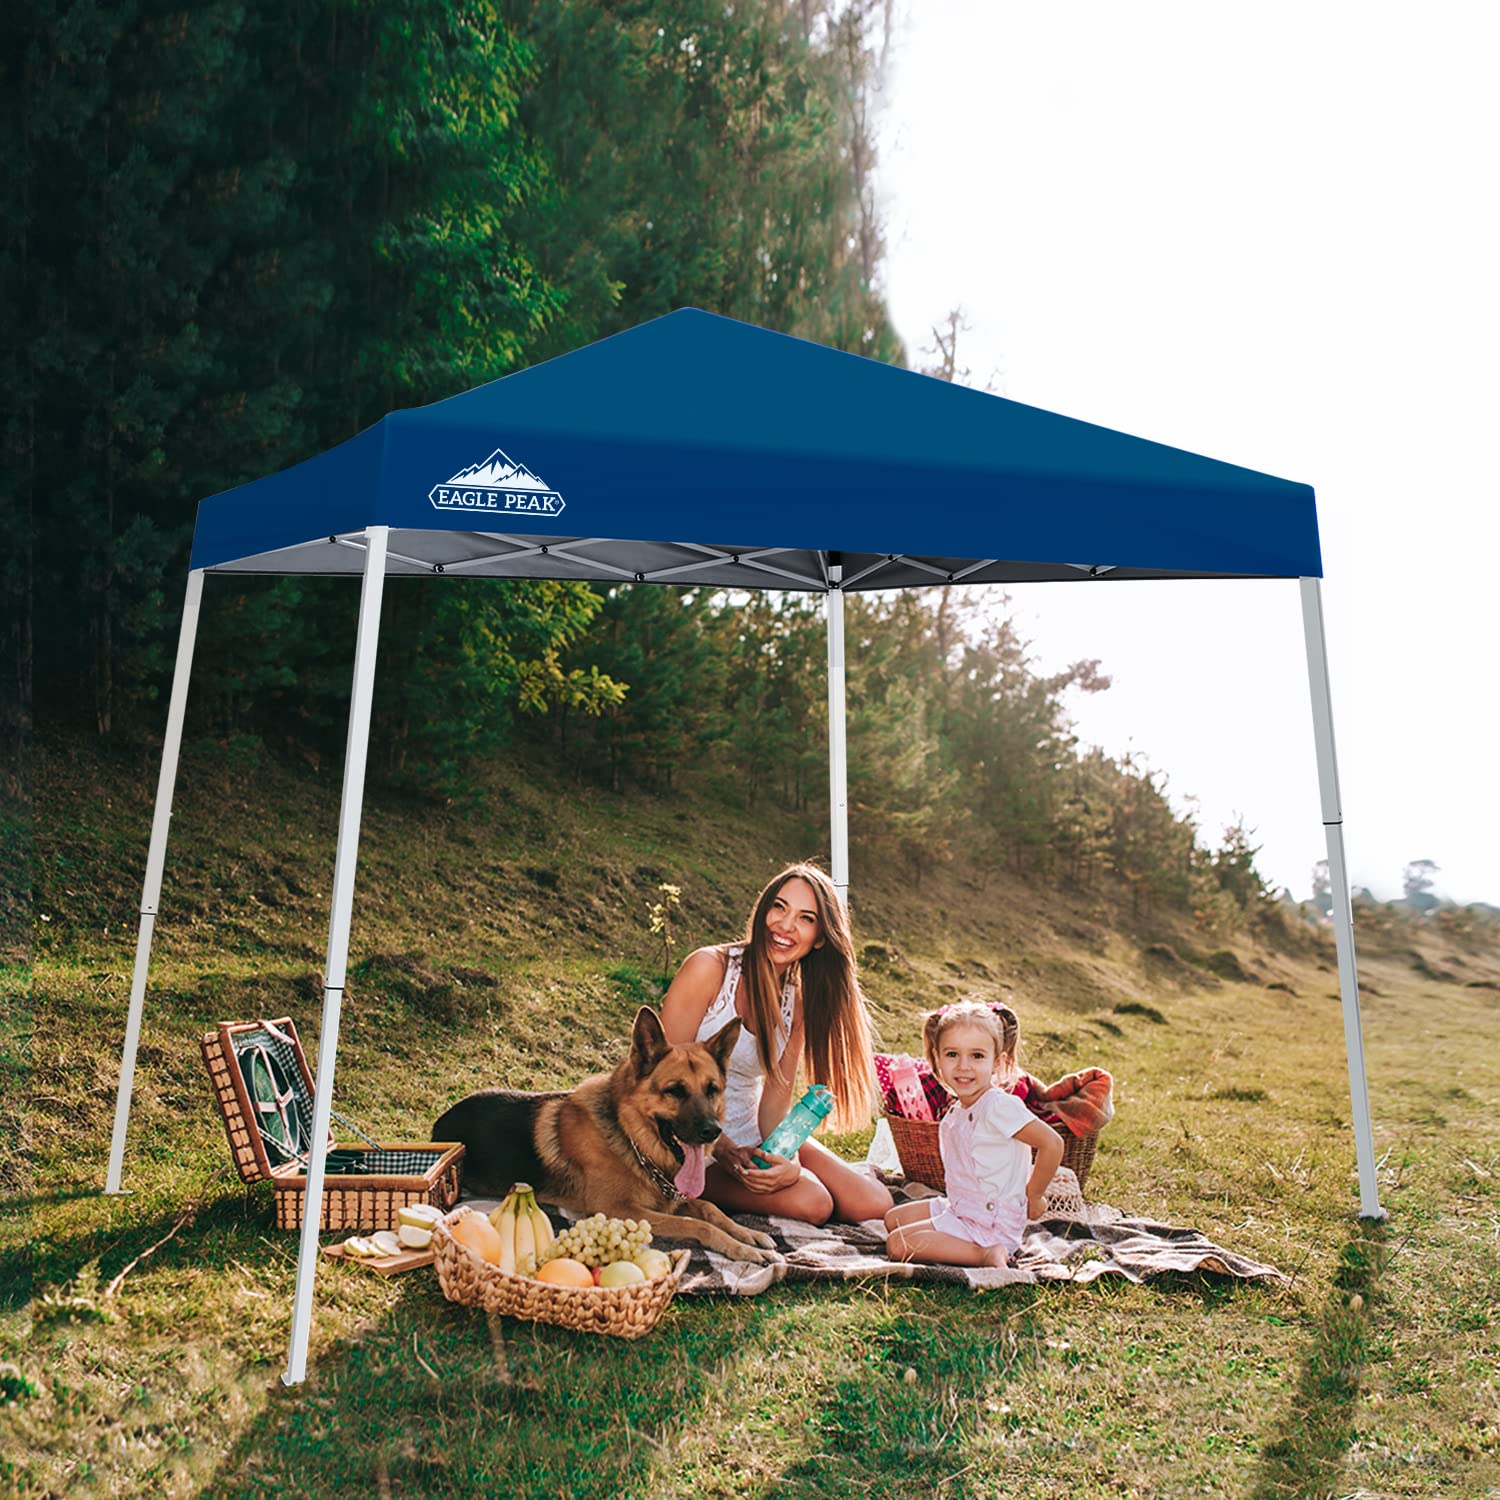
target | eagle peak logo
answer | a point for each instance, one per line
(499, 485)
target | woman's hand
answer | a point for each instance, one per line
(740, 1163)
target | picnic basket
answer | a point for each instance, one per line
(917, 1146)
(264, 1091)
(626, 1312)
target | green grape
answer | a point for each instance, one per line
(598, 1240)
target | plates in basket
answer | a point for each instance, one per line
(383, 1265)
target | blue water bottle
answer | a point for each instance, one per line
(807, 1114)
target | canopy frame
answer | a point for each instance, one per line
(1223, 542)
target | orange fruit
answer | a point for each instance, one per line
(565, 1272)
(476, 1233)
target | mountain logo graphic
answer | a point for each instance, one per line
(499, 484)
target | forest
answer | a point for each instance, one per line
(239, 235)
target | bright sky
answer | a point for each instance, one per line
(1268, 235)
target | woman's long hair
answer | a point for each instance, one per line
(835, 1025)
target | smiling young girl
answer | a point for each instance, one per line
(986, 1139)
(792, 980)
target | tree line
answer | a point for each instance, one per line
(237, 235)
(955, 740)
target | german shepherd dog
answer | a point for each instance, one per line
(628, 1143)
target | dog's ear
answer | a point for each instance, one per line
(648, 1042)
(721, 1043)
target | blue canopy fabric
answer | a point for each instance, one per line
(698, 449)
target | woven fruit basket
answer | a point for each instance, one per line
(625, 1312)
(922, 1161)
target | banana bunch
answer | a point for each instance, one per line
(525, 1231)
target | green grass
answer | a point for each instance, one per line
(511, 946)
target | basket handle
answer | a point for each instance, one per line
(272, 1099)
(273, 1030)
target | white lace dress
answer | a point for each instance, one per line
(746, 1077)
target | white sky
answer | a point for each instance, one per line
(1266, 234)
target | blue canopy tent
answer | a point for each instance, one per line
(699, 450)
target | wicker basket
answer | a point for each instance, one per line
(922, 1161)
(353, 1200)
(626, 1312)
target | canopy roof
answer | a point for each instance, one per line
(697, 449)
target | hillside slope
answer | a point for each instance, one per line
(509, 945)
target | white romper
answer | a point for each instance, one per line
(986, 1169)
(745, 1077)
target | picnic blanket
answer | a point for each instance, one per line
(1080, 1102)
(1091, 1241)
(1075, 1241)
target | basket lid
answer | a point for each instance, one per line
(273, 1088)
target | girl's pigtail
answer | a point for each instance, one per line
(932, 1034)
(1010, 1039)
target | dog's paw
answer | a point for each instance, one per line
(758, 1257)
(763, 1240)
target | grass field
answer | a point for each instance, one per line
(505, 946)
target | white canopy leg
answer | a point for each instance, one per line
(156, 858)
(838, 756)
(1338, 879)
(338, 938)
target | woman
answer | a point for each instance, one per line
(792, 983)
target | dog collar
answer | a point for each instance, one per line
(664, 1184)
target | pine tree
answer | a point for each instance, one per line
(656, 639)
(708, 155)
(244, 234)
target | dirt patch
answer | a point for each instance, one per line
(406, 965)
(1146, 1012)
(1163, 961)
(880, 957)
(1066, 982)
(1226, 965)
(1427, 970)
(409, 980)
(473, 978)
(1087, 935)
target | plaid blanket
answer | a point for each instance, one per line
(1100, 1241)
(1075, 1245)
(1082, 1101)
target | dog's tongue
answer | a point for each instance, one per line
(691, 1174)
